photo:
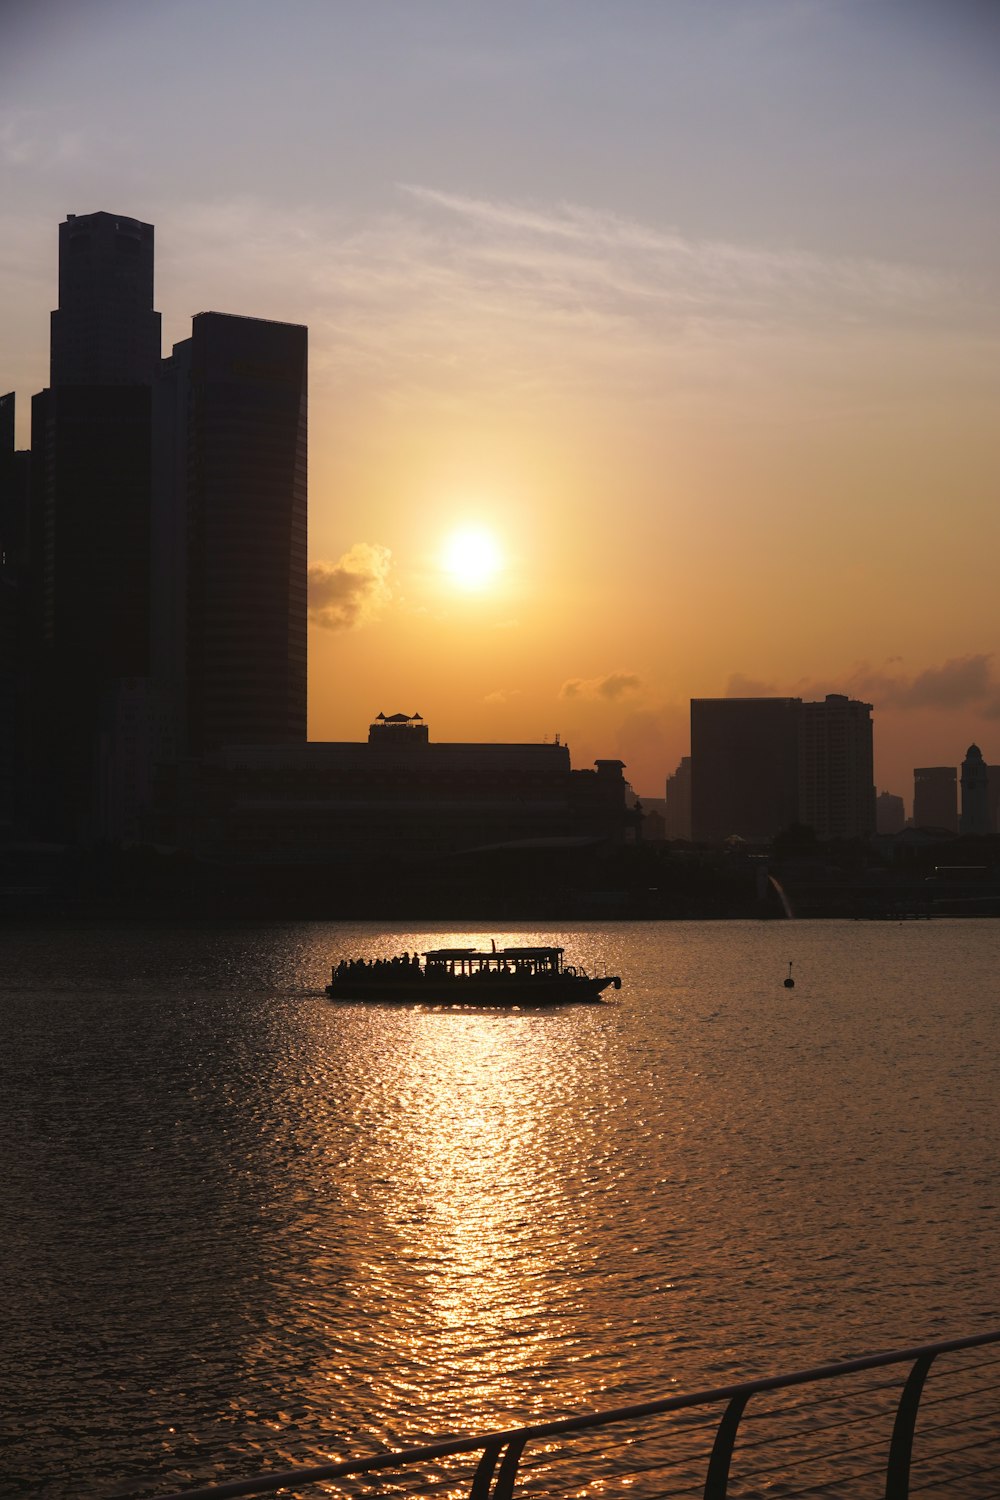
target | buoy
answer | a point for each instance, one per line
(789, 982)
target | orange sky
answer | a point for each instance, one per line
(693, 307)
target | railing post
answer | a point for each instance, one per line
(484, 1472)
(717, 1479)
(897, 1474)
(504, 1488)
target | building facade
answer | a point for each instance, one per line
(935, 798)
(397, 795)
(231, 520)
(760, 765)
(836, 795)
(975, 816)
(744, 768)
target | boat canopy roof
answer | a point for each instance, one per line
(494, 953)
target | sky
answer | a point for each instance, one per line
(688, 309)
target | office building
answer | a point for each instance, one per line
(935, 798)
(90, 510)
(105, 330)
(890, 814)
(677, 812)
(744, 768)
(760, 765)
(230, 520)
(836, 793)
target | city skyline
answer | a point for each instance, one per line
(709, 354)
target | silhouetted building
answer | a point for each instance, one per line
(105, 330)
(993, 793)
(231, 517)
(398, 794)
(760, 765)
(935, 797)
(836, 796)
(90, 509)
(744, 767)
(677, 813)
(975, 816)
(14, 622)
(890, 813)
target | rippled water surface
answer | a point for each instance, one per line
(246, 1228)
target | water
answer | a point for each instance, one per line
(245, 1228)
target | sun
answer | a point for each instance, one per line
(471, 557)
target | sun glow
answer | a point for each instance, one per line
(471, 557)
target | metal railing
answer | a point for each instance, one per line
(639, 1457)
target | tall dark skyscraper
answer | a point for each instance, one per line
(231, 517)
(91, 489)
(105, 330)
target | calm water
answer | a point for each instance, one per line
(245, 1228)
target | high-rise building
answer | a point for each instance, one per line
(677, 814)
(230, 521)
(760, 765)
(935, 797)
(836, 796)
(975, 815)
(14, 680)
(90, 508)
(744, 767)
(890, 813)
(105, 330)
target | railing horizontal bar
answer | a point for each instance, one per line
(270, 1483)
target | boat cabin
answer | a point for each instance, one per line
(522, 963)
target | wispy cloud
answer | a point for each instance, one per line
(352, 591)
(961, 682)
(34, 141)
(614, 685)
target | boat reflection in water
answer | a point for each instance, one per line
(463, 976)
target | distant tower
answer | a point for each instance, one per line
(935, 798)
(678, 794)
(890, 814)
(836, 780)
(975, 817)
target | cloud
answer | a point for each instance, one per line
(961, 682)
(613, 686)
(352, 591)
(33, 141)
(739, 686)
(502, 695)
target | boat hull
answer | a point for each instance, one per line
(485, 991)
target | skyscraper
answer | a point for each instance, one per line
(105, 330)
(90, 506)
(231, 516)
(836, 773)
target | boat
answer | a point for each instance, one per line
(464, 976)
